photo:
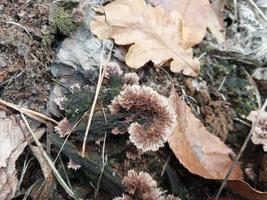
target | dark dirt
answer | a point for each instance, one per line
(25, 76)
(27, 47)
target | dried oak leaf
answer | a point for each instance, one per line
(201, 152)
(245, 190)
(197, 17)
(153, 34)
(12, 142)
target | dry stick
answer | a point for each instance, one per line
(101, 75)
(104, 163)
(33, 114)
(17, 24)
(241, 151)
(258, 9)
(68, 135)
(104, 158)
(49, 161)
(254, 85)
(235, 14)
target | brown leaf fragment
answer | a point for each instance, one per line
(197, 17)
(201, 152)
(245, 190)
(218, 8)
(153, 35)
(12, 142)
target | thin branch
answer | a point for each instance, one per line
(241, 151)
(254, 85)
(19, 25)
(33, 114)
(68, 135)
(102, 69)
(258, 9)
(104, 158)
(49, 161)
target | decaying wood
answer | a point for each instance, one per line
(91, 167)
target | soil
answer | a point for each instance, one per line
(28, 44)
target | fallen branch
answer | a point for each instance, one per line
(110, 181)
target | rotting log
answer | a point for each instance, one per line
(110, 182)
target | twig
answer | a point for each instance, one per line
(27, 193)
(17, 24)
(242, 121)
(68, 135)
(258, 9)
(222, 83)
(241, 151)
(254, 85)
(235, 14)
(33, 114)
(202, 55)
(65, 173)
(24, 169)
(165, 166)
(104, 163)
(104, 158)
(47, 158)
(102, 69)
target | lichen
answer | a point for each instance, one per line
(64, 22)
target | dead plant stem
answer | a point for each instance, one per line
(102, 70)
(240, 152)
(258, 9)
(47, 158)
(104, 158)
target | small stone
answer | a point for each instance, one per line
(2, 63)
(260, 76)
(2, 8)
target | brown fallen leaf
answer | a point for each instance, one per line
(197, 17)
(12, 142)
(218, 8)
(201, 152)
(153, 34)
(245, 190)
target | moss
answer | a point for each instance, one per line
(70, 5)
(47, 38)
(240, 94)
(64, 22)
(115, 84)
(77, 104)
(215, 72)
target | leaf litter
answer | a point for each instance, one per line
(154, 35)
(155, 40)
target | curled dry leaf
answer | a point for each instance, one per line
(201, 152)
(12, 142)
(153, 34)
(197, 17)
(245, 190)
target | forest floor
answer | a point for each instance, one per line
(221, 97)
